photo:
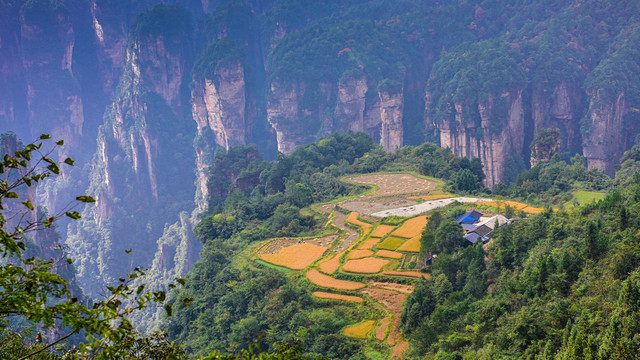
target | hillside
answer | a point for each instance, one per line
(344, 277)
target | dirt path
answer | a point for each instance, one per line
(352, 236)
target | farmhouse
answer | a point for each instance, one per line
(480, 230)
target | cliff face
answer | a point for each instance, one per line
(498, 135)
(111, 27)
(391, 109)
(220, 105)
(605, 139)
(143, 153)
(561, 109)
(356, 107)
(48, 39)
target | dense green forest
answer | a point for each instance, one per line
(560, 283)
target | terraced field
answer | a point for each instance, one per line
(339, 266)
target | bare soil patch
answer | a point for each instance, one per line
(407, 289)
(391, 300)
(382, 330)
(415, 274)
(394, 184)
(275, 245)
(399, 350)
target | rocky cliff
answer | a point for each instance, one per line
(497, 135)
(143, 152)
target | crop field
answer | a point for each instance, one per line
(400, 349)
(389, 254)
(367, 244)
(391, 243)
(331, 264)
(326, 295)
(412, 245)
(359, 331)
(368, 265)
(382, 329)
(415, 274)
(412, 227)
(353, 219)
(359, 254)
(320, 279)
(407, 289)
(296, 257)
(430, 197)
(394, 184)
(382, 231)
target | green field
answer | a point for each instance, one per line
(391, 243)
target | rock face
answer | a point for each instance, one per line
(220, 105)
(498, 135)
(356, 107)
(545, 145)
(143, 153)
(605, 139)
(219, 109)
(111, 27)
(391, 133)
(48, 39)
(560, 110)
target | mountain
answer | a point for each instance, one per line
(145, 91)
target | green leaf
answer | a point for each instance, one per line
(60, 142)
(28, 204)
(69, 261)
(128, 251)
(54, 168)
(73, 214)
(181, 281)
(167, 308)
(69, 161)
(12, 195)
(86, 199)
(186, 301)
(45, 136)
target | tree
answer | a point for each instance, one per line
(31, 290)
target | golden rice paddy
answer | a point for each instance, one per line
(367, 244)
(382, 330)
(326, 295)
(331, 264)
(415, 274)
(320, 279)
(389, 254)
(296, 257)
(391, 243)
(359, 331)
(359, 254)
(412, 227)
(382, 230)
(353, 219)
(368, 265)
(412, 245)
